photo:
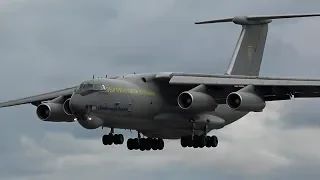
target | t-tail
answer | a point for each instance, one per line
(247, 56)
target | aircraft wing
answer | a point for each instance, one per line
(270, 88)
(37, 99)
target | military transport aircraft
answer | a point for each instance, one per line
(170, 105)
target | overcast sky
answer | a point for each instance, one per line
(51, 44)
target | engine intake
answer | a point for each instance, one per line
(196, 101)
(66, 107)
(52, 112)
(244, 101)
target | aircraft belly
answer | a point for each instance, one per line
(128, 123)
(170, 127)
(173, 126)
(228, 114)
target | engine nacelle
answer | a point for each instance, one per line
(53, 112)
(196, 101)
(66, 107)
(245, 101)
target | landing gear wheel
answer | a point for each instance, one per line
(195, 141)
(130, 144)
(154, 145)
(160, 143)
(209, 141)
(107, 139)
(136, 144)
(115, 139)
(214, 141)
(148, 144)
(143, 143)
(118, 139)
(121, 139)
(104, 140)
(199, 141)
(202, 141)
(183, 141)
(189, 141)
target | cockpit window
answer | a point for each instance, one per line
(99, 87)
(89, 86)
(84, 86)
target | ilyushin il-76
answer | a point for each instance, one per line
(175, 105)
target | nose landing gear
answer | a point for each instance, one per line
(112, 138)
(143, 144)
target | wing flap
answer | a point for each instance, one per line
(35, 100)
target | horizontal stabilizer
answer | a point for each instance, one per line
(247, 20)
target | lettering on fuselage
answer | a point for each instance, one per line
(130, 91)
(106, 108)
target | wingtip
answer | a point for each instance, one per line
(201, 22)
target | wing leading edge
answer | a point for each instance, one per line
(37, 99)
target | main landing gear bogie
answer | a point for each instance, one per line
(110, 139)
(197, 141)
(143, 144)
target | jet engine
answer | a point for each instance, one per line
(52, 112)
(66, 107)
(196, 101)
(245, 101)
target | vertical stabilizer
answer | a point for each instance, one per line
(247, 56)
(248, 53)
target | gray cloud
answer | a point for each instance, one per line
(46, 45)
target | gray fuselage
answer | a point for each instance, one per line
(136, 102)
